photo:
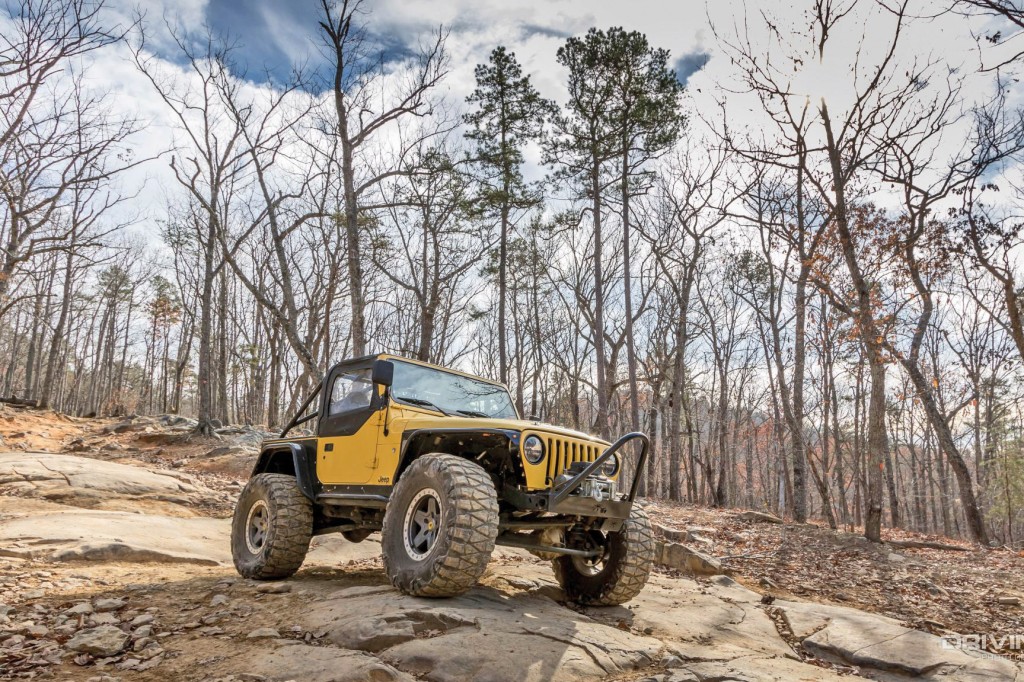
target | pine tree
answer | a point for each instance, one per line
(509, 113)
(648, 120)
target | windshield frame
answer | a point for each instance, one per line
(442, 409)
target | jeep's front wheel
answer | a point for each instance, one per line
(439, 526)
(271, 528)
(617, 573)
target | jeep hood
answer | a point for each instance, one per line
(424, 421)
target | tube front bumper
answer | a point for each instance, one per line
(565, 498)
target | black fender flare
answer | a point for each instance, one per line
(409, 437)
(302, 465)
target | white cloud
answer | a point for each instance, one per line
(189, 14)
(532, 31)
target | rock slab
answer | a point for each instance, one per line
(882, 644)
(85, 482)
(116, 536)
(482, 635)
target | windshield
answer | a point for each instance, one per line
(450, 393)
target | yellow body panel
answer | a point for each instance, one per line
(389, 447)
(353, 459)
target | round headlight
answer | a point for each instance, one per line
(611, 467)
(533, 448)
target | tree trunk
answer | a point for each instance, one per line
(877, 447)
(222, 406)
(602, 370)
(944, 436)
(353, 254)
(204, 413)
(33, 343)
(503, 281)
(58, 333)
(878, 444)
(634, 397)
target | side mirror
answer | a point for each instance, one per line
(383, 372)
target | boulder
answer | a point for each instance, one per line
(176, 420)
(127, 427)
(263, 633)
(274, 588)
(758, 517)
(670, 534)
(225, 450)
(244, 436)
(682, 558)
(104, 619)
(103, 641)
(694, 537)
(163, 437)
(108, 604)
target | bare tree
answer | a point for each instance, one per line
(369, 100)
(854, 135)
(686, 210)
(210, 161)
(282, 202)
(427, 244)
(56, 134)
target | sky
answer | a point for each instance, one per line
(271, 36)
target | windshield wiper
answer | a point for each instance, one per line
(473, 413)
(425, 403)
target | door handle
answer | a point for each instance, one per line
(329, 447)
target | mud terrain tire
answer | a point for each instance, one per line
(623, 571)
(439, 526)
(271, 528)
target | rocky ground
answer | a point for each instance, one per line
(114, 565)
(951, 586)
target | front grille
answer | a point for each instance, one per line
(564, 451)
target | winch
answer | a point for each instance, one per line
(596, 487)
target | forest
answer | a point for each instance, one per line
(808, 294)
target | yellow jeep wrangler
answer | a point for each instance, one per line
(441, 463)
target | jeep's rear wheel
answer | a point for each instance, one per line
(618, 573)
(440, 526)
(271, 528)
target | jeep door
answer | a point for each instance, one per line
(349, 423)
